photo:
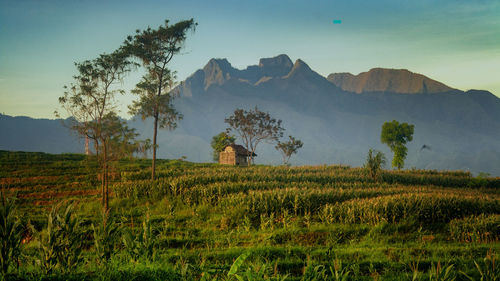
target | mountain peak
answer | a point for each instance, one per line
(222, 64)
(279, 60)
(387, 80)
(277, 66)
(300, 68)
(301, 63)
(217, 71)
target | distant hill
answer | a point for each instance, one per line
(40, 135)
(338, 118)
(387, 80)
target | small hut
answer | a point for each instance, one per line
(235, 154)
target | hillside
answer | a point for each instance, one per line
(23, 133)
(288, 220)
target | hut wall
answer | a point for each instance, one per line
(241, 160)
(227, 158)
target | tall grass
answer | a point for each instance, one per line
(10, 234)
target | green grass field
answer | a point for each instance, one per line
(284, 223)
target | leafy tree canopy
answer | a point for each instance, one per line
(253, 127)
(155, 48)
(287, 149)
(396, 135)
(219, 142)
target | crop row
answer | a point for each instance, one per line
(424, 209)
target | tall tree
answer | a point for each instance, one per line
(156, 48)
(253, 127)
(90, 103)
(117, 142)
(160, 107)
(396, 135)
(288, 148)
(219, 142)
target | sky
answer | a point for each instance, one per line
(453, 41)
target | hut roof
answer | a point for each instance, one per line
(240, 150)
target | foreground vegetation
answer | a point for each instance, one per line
(212, 222)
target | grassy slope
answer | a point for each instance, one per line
(203, 216)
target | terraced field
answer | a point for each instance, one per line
(285, 223)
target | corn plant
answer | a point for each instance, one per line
(106, 235)
(252, 273)
(247, 224)
(480, 229)
(10, 234)
(140, 244)
(414, 269)
(71, 238)
(314, 273)
(60, 245)
(425, 209)
(48, 246)
(321, 273)
(307, 219)
(490, 271)
(339, 273)
(440, 273)
(236, 266)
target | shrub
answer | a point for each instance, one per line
(374, 163)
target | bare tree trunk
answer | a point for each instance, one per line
(96, 147)
(105, 178)
(101, 164)
(250, 155)
(102, 186)
(106, 192)
(153, 167)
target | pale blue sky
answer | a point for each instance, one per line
(455, 42)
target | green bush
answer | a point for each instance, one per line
(375, 161)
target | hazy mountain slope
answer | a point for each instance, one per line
(28, 134)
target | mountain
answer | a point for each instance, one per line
(338, 118)
(387, 80)
(219, 71)
(23, 133)
(339, 125)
